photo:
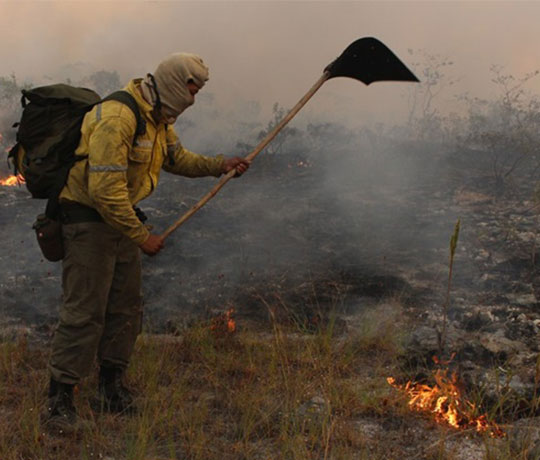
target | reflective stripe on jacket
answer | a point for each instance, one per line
(118, 174)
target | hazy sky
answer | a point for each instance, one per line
(274, 50)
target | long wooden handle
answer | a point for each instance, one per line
(269, 137)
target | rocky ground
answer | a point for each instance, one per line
(343, 233)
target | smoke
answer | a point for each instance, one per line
(350, 189)
(270, 51)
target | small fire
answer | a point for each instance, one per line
(446, 402)
(224, 323)
(231, 324)
(12, 180)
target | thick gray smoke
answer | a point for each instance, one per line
(269, 51)
(360, 183)
(323, 203)
(320, 202)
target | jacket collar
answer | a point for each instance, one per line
(133, 88)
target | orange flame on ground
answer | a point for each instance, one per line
(231, 324)
(224, 323)
(12, 180)
(446, 402)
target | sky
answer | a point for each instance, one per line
(274, 51)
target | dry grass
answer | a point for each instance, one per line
(280, 393)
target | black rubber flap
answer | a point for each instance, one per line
(369, 60)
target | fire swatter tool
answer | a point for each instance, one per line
(367, 60)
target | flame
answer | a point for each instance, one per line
(231, 324)
(12, 180)
(225, 322)
(447, 403)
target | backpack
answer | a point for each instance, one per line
(49, 133)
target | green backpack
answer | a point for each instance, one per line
(49, 132)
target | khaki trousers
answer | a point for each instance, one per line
(101, 314)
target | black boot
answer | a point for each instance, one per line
(113, 395)
(60, 415)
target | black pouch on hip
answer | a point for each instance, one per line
(49, 237)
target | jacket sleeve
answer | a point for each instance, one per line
(183, 162)
(108, 149)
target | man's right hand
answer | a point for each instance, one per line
(152, 245)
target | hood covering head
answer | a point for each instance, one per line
(171, 78)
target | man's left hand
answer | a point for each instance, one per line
(240, 164)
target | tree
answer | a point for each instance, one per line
(424, 119)
(286, 133)
(508, 129)
(104, 82)
(10, 103)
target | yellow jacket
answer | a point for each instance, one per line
(117, 174)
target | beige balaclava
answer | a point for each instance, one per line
(171, 78)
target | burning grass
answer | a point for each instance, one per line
(11, 181)
(446, 402)
(215, 391)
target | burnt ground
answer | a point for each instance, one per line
(334, 230)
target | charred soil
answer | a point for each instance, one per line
(320, 250)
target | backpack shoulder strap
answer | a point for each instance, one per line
(125, 98)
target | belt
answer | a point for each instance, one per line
(75, 213)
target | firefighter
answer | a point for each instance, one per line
(103, 234)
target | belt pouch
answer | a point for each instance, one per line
(49, 237)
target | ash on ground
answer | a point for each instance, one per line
(337, 230)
